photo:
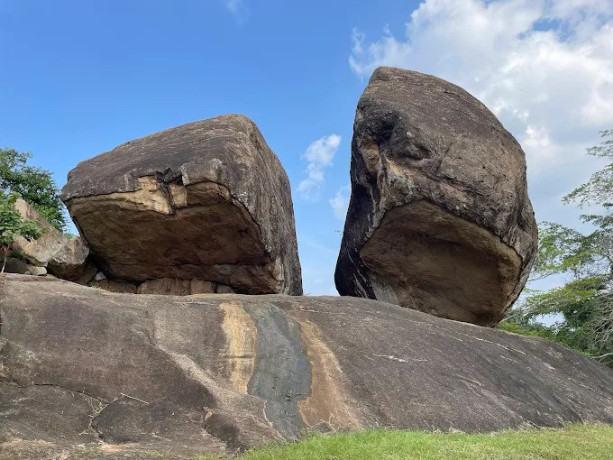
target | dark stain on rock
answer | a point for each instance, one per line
(224, 428)
(282, 374)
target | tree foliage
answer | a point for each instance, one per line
(12, 225)
(585, 303)
(35, 185)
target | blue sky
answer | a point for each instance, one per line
(80, 77)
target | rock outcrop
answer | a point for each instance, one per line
(119, 375)
(207, 201)
(64, 256)
(439, 218)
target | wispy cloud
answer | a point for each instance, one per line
(340, 202)
(239, 9)
(319, 156)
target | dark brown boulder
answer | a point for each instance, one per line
(206, 201)
(82, 368)
(439, 218)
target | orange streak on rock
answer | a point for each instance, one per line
(240, 333)
(329, 402)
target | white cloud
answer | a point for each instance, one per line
(340, 202)
(319, 156)
(238, 9)
(573, 10)
(545, 67)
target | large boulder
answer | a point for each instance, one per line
(83, 369)
(62, 255)
(207, 201)
(439, 218)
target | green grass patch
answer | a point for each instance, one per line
(592, 442)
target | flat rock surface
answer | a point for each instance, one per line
(439, 218)
(94, 374)
(206, 201)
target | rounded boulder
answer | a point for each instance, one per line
(439, 218)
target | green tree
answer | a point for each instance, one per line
(35, 185)
(12, 225)
(585, 303)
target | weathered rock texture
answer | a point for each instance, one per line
(439, 218)
(207, 201)
(208, 373)
(16, 266)
(62, 255)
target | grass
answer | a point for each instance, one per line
(592, 442)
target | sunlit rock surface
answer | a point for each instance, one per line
(123, 374)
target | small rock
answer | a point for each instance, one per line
(201, 287)
(89, 271)
(69, 262)
(165, 286)
(222, 289)
(121, 287)
(36, 271)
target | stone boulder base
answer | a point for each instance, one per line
(182, 287)
(439, 218)
(205, 201)
(84, 371)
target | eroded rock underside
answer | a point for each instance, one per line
(207, 202)
(86, 373)
(439, 218)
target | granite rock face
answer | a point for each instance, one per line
(439, 218)
(82, 368)
(205, 201)
(62, 255)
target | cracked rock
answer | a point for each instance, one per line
(126, 420)
(439, 218)
(45, 412)
(207, 201)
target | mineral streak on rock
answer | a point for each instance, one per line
(282, 372)
(207, 201)
(439, 218)
(240, 332)
(328, 406)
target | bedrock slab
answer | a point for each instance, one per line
(212, 373)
